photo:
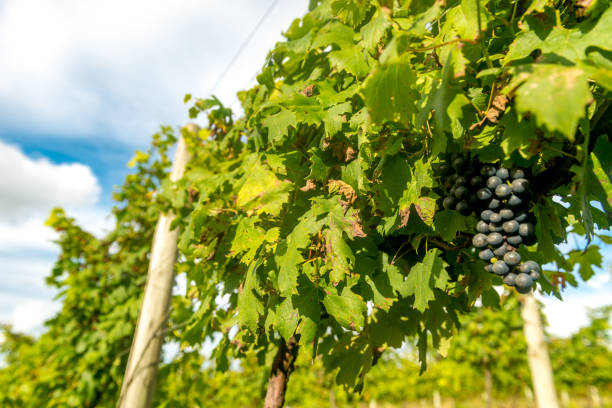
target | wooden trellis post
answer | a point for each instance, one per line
(537, 355)
(141, 371)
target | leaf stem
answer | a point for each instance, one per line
(433, 47)
(480, 39)
(554, 149)
(513, 16)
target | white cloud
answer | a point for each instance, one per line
(32, 185)
(30, 316)
(599, 281)
(74, 68)
(29, 189)
(567, 316)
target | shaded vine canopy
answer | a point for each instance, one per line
(316, 214)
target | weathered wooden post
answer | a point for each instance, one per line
(141, 371)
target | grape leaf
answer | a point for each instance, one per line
(570, 44)
(351, 12)
(541, 87)
(348, 308)
(389, 92)
(262, 191)
(278, 124)
(249, 305)
(286, 318)
(373, 32)
(425, 276)
(447, 223)
(586, 261)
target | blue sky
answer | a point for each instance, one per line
(83, 85)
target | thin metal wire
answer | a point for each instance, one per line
(244, 44)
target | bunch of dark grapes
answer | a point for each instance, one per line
(505, 223)
(460, 180)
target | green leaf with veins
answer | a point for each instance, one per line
(426, 276)
(389, 92)
(539, 90)
(569, 44)
(278, 125)
(348, 308)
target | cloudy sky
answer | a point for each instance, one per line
(84, 84)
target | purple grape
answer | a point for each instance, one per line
(458, 163)
(519, 186)
(503, 191)
(463, 207)
(486, 215)
(495, 218)
(502, 173)
(500, 268)
(495, 227)
(514, 201)
(512, 258)
(476, 181)
(510, 278)
(486, 254)
(510, 227)
(501, 251)
(523, 283)
(521, 217)
(449, 202)
(484, 194)
(525, 229)
(487, 171)
(517, 173)
(493, 182)
(461, 192)
(482, 227)
(461, 181)
(529, 266)
(514, 240)
(480, 241)
(495, 238)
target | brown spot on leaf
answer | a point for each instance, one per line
(425, 208)
(404, 216)
(350, 154)
(310, 185)
(356, 227)
(193, 194)
(339, 186)
(498, 106)
(582, 6)
(308, 91)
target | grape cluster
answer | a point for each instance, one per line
(505, 223)
(500, 198)
(460, 180)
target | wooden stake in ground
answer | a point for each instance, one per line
(282, 367)
(537, 354)
(141, 371)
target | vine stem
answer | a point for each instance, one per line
(282, 367)
(433, 47)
